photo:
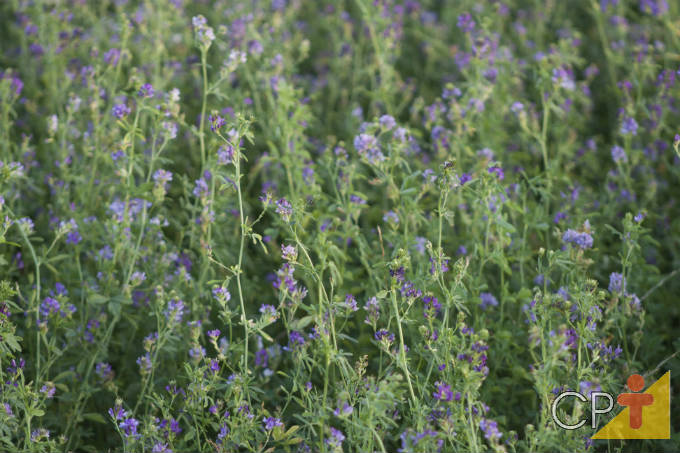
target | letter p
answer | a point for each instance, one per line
(595, 410)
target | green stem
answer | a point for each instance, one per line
(402, 350)
(36, 263)
(244, 321)
(201, 131)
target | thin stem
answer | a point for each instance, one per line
(201, 131)
(36, 263)
(661, 282)
(244, 321)
(402, 350)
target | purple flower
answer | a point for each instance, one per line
(639, 217)
(587, 388)
(117, 413)
(465, 177)
(587, 442)
(216, 122)
(619, 154)
(443, 268)
(559, 217)
(288, 252)
(564, 77)
(487, 299)
(442, 392)
(295, 339)
(367, 146)
(174, 426)
(48, 390)
(345, 409)
(175, 310)
(384, 335)
(284, 209)
(516, 107)
(486, 153)
(391, 216)
(224, 431)
(262, 358)
(111, 56)
(144, 363)
(117, 155)
(410, 439)
(269, 311)
(162, 177)
(351, 302)
(432, 306)
(26, 224)
(634, 301)
(616, 283)
(336, 438)
(197, 352)
(582, 240)
(629, 126)
(221, 294)
(129, 426)
(16, 84)
(15, 366)
(137, 277)
(38, 434)
(528, 308)
(498, 171)
(104, 371)
(466, 23)
(356, 199)
(134, 207)
(387, 122)
(409, 290)
(120, 111)
(201, 189)
(214, 333)
(204, 34)
(490, 429)
(225, 155)
(161, 448)
(373, 309)
(73, 237)
(49, 306)
(654, 7)
(255, 47)
(271, 423)
(146, 91)
(314, 334)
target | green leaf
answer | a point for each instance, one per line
(300, 324)
(95, 417)
(265, 335)
(97, 299)
(114, 308)
(505, 225)
(143, 191)
(122, 300)
(35, 412)
(12, 341)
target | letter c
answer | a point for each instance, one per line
(554, 410)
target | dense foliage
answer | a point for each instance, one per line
(316, 225)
